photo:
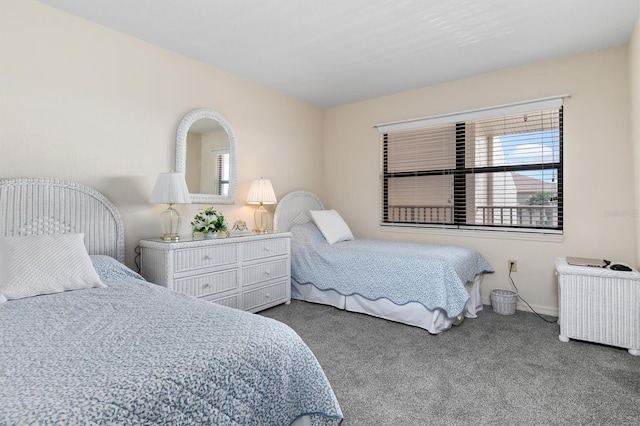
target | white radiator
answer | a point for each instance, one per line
(599, 305)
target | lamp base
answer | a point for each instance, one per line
(261, 218)
(170, 222)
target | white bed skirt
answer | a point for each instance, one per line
(412, 313)
(302, 421)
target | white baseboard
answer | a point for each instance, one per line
(520, 306)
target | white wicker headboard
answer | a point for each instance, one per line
(33, 206)
(294, 208)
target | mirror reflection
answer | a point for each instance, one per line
(207, 158)
(206, 154)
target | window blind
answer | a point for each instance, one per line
(222, 171)
(475, 169)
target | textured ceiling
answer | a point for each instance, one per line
(334, 52)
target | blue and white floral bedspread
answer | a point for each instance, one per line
(136, 353)
(432, 275)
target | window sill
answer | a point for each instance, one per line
(476, 233)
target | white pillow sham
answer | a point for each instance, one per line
(44, 264)
(300, 219)
(332, 226)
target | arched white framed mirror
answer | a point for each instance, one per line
(206, 153)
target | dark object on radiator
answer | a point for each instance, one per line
(619, 267)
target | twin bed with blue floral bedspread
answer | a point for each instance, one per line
(428, 286)
(123, 351)
(136, 353)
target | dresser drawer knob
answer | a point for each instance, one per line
(207, 257)
(267, 272)
(267, 249)
(267, 295)
(206, 285)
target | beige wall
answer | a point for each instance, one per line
(81, 102)
(84, 103)
(634, 89)
(599, 189)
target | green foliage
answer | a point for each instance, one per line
(541, 198)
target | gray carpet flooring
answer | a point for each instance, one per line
(495, 369)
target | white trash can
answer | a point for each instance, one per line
(503, 301)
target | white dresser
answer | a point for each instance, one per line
(250, 272)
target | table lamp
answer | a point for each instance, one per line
(261, 192)
(170, 188)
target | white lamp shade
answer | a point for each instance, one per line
(170, 188)
(261, 192)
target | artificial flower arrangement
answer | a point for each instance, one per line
(209, 222)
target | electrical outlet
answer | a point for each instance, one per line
(512, 265)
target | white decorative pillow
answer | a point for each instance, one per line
(300, 219)
(44, 264)
(332, 226)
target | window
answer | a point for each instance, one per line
(221, 171)
(497, 168)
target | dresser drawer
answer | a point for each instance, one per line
(230, 301)
(265, 248)
(206, 284)
(205, 257)
(262, 272)
(264, 295)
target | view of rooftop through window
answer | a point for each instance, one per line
(526, 193)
